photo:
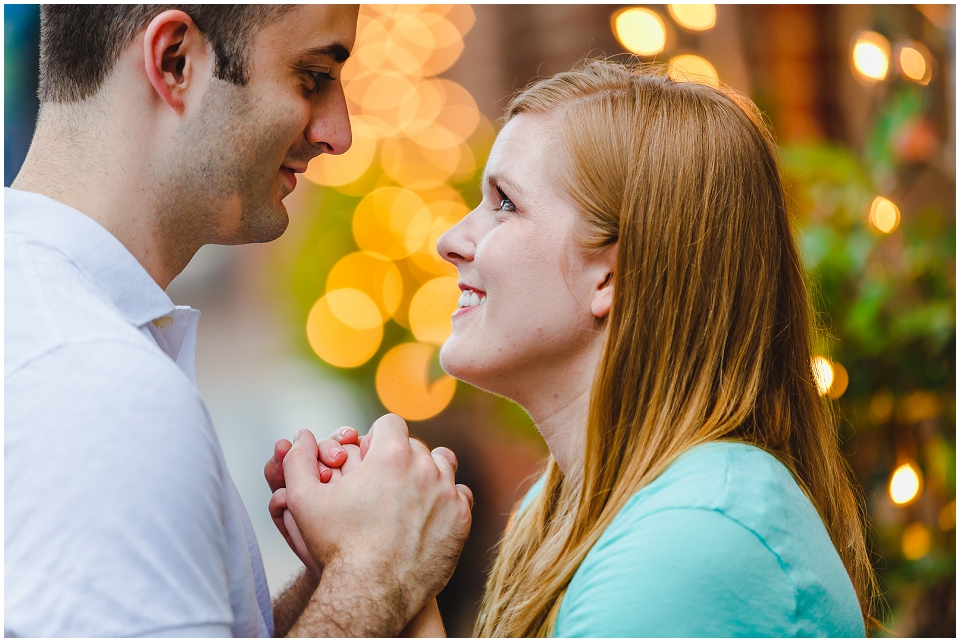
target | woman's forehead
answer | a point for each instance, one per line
(523, 150)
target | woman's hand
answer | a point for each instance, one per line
(340, 450)
(425, 624)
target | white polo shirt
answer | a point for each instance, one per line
(120, 516)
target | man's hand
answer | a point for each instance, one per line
(387, 535)
(332, 455)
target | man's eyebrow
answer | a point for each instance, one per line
(338, 52)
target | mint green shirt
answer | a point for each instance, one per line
(723, 544)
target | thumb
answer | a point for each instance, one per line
(300, 464)
(386, 431)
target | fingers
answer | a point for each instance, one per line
(466, 494)
(387, 432)
(273, 470)
(300, 464)
(365, 444)
(278, 503)
(332, 453)
(346, 435)
(353, 459)
(446, 462)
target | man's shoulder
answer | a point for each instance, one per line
(50, 304)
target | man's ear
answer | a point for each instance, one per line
(603, 294)
(172, 48)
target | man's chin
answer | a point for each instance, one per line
(261, 226)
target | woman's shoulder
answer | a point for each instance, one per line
(722, 543)
(741, 481)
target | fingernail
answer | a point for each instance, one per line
(335, 452)
(343, 433)
(325, 475)
(298, 435)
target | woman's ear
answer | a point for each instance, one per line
(603, 295)
(172, 46)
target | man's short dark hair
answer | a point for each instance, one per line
(80, 44)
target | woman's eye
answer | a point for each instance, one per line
(506, 205)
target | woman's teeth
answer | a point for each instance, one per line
(470, 298)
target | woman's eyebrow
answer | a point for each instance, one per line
(495, 180)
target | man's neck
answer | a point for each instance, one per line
(80, 164)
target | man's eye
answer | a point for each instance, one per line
(320, 78)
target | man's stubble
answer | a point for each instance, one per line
(219, 183)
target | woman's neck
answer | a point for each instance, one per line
(559, 404)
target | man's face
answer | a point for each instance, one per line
(236, 157)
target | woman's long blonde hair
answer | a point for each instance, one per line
(709, 336)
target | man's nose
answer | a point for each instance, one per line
(329, 127)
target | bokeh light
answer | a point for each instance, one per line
(403, 382)
(374, 275)
(431, 308)
(391, 221)
(871, 56)
(915, 541)
(904, 484)
(822, 374)
(696, 17)
(445, 215)
(884, 215)
(693, 68)
(337, 342)
(948, 517)
(915, 62)
(841, 379)
(640, 30)
(881, 406)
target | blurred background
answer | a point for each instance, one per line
(341, 319)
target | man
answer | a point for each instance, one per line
(164, 128)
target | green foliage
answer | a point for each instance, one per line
(886, 304)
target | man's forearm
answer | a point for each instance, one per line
(290, 604)
(354, 601)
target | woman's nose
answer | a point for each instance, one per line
(455, 245)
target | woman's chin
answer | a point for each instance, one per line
(468, 369)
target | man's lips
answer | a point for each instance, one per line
(289, 172)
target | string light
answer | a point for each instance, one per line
(840, 381)
(948, 517)
(884, 215)
(822, 374)
(871, 56)
(916, 541)
(904, 484)
(696, 17)
(915, 62)
(640, 30)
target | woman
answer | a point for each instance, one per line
(631, 280)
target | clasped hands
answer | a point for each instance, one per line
(382, 507)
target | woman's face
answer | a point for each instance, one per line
(528, 302)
